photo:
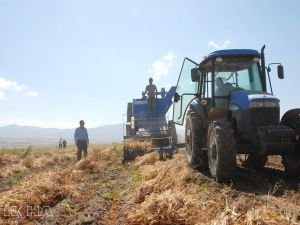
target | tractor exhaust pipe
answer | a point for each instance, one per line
(263, 68)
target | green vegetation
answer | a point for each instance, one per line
(12, 151)
(110, 195)
(18, 176)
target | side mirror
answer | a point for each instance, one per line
(176, 97)
(280, 72)
(195, 74)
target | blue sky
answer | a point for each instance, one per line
(66, 60)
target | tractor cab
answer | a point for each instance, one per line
(216, 79)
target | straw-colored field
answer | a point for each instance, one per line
(48, 186)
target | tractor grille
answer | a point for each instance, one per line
(253, 118)
(263, 117)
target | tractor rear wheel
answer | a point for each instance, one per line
(254, 161)
(291, 161)
(194, 139)
(221, 151)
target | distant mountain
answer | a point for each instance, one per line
(15, 135)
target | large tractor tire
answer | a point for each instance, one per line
(194, 139)
(221, 151)
(291, 161)
(254, 161)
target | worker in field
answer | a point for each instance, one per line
(81, 139)
(64, 143)
(60, 143)
(151, 92)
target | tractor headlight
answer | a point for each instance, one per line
(272, 104)
(265, 104)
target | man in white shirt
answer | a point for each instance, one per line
(81, 139)
(60, 143)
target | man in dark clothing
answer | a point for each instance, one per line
(64, 143)
(81, 139)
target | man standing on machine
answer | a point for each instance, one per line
(151, 92)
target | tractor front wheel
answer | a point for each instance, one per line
(221, 151)
(194, 135)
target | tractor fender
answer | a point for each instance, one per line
(195, 106)
(201, 112)
(217, 113)
(290, 114)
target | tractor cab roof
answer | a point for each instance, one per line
(206, 63)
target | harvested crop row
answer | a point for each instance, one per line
(44, 190)
(172, 193)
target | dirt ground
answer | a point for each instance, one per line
(48, 186)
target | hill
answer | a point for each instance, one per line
(15, 135)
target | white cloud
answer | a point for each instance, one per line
(31, 93)
(6, 84)
(170, 57)
(225, 44)
(162, 67)
(20, 88)
(159, 69)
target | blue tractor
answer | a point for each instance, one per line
(229, 111)
(148, 131)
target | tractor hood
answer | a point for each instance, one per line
(241, 100)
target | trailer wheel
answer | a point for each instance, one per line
(221, 151)
(162, 155)
(194, 135)
(126, 153)
(255, 161)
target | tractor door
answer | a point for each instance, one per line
(186, 90)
